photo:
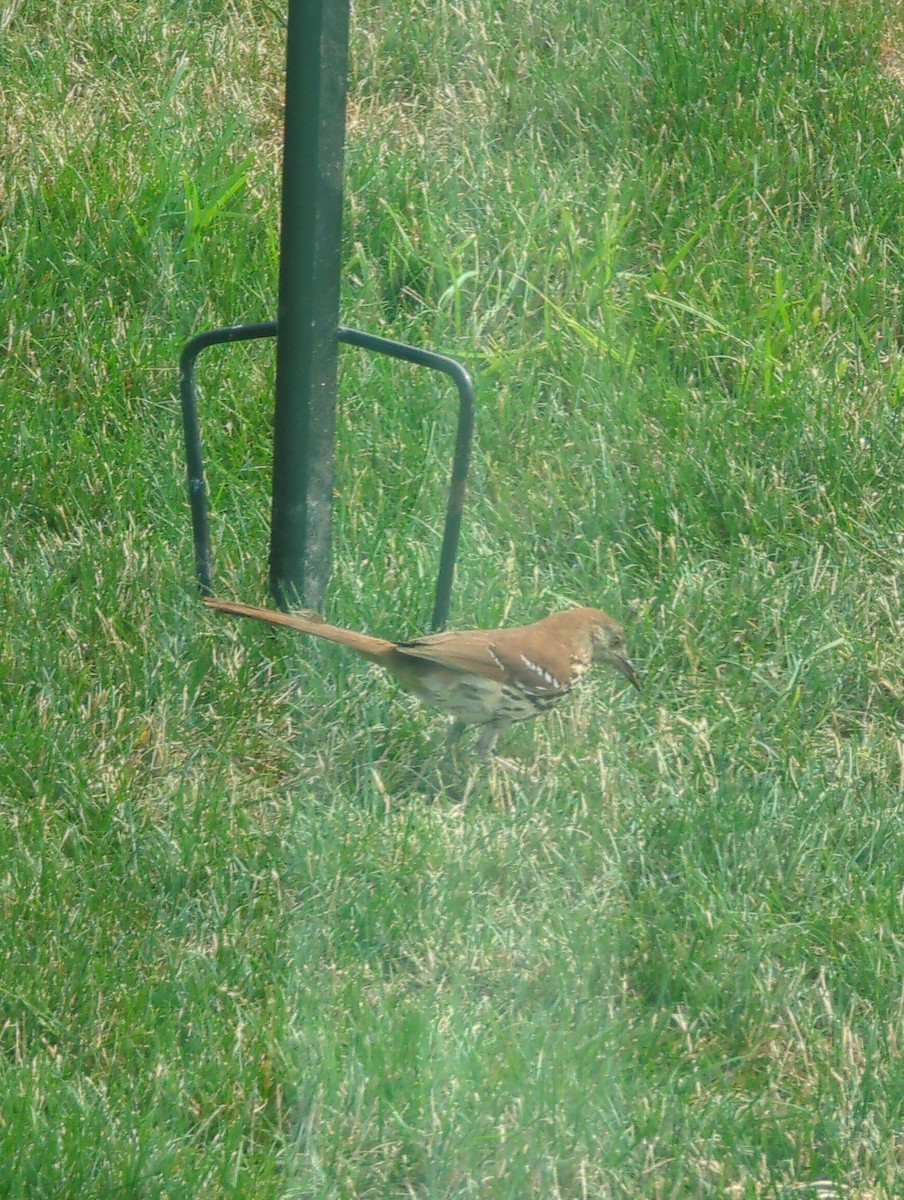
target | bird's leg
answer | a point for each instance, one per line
(453, 737)
(487, 739)
(456, 729)
(486, 746)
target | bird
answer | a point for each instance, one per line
(490, 678)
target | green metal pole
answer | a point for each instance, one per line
(306, 350)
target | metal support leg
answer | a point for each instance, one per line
(197, 489)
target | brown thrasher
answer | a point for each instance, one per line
(486, 677)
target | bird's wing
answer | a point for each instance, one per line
(492, 654)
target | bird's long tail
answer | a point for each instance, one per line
(373, 648)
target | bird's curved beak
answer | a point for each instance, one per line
(622, 663)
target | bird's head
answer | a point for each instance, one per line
(608, 646)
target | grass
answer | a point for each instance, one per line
(251, 945)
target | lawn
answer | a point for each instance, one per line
(254, 943)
